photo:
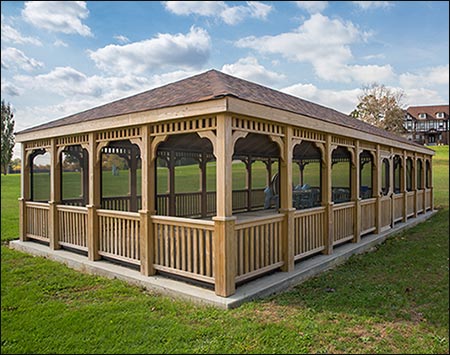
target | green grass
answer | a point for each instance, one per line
(394, 300)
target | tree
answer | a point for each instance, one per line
(7, 127)
(381, 107)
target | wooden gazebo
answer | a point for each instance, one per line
(226, 234)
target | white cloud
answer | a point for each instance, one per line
(10, 34)
(428, 77)
(9, 89)
(231, 15)
(324, 43)
(59, 43)
(312, 6)
(366, 5)
(422, 96)
(188, 51)
(15, 58)
(249, 68)
(344, 101)
(58, 16)
(121, 39)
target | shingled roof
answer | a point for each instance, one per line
(212, 85)
(430, 111)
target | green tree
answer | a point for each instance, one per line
(7, 127)
(381, 107)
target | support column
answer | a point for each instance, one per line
(377, 190)
(356, 181)
(414, 184)
(248, 166)
(391, 187)
(431, 184)
(403, 187)
(55, 196)
(224, 231)
(203, 186)
(327, 199)
(133, 180)
(287, 243)
(424, 184)
(148, 202)
(94, 199)
(25, 194)
(171, 166)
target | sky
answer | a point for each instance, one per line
(59, 58)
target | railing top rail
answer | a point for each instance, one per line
(257, 221)
(119, 214)
(67, 208)
(41, 205)
(344, 205)
(309, 211)
(368, 201)
(187, 222)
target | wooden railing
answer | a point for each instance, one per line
(410, 204)
(73, 224)
(398, 207)
(258, 246)
(343, 220)
(386, 216)
(184, 247)
(119, 203)
(309, 232)
(368, 215)
(427, 199)
(37, 221)
(119, 235)
(419, 197)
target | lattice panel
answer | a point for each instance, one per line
(119, 134)
(185, 126)
(243, 124)
(343, 141)
(72, 140)
(43, 143)
(308, 135)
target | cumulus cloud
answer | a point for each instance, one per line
(9, 90)
(367, 5)
(428, 77)
(10, 34)
(344, 101)
(58, 16)
(15, 58)
(59, 43)
(188, 51)
(121, 39)
(249, 68)
(325, 43)
(231, 15)
(312, 6)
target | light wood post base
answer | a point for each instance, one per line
(287, 241)
(146, 244)
(22, 220)
(53, 226)
(224, 256)
(93, 234)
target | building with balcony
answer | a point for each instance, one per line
(427, 125)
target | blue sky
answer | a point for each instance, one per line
(59, 58)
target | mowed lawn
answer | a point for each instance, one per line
(393, 300)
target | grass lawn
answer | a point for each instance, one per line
(394, 300)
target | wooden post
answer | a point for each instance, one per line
(431, 184)
(391, 186)
(171, 166)
(414, 184)
(94, 199)
(248, 165)
(327, 198)
(224, 231)
(148, 204)
(403, 187)
(133, 180)
(55, 196)
(203, 185)
(424, 186)
(356, 173)
(25, 194)
(377, 189)
(287, 242)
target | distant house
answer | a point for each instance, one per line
(427, 124)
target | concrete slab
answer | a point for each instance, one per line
(261, 287)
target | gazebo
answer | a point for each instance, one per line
(217, 180)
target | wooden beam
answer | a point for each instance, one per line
(356, 182)
(327, 199)
(94, 199)
(377, 189)
(55, 195)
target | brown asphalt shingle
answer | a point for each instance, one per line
(212, 85)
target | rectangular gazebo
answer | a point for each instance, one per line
(215, 179)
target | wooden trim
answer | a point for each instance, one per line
(259, 271)
(183, 273)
